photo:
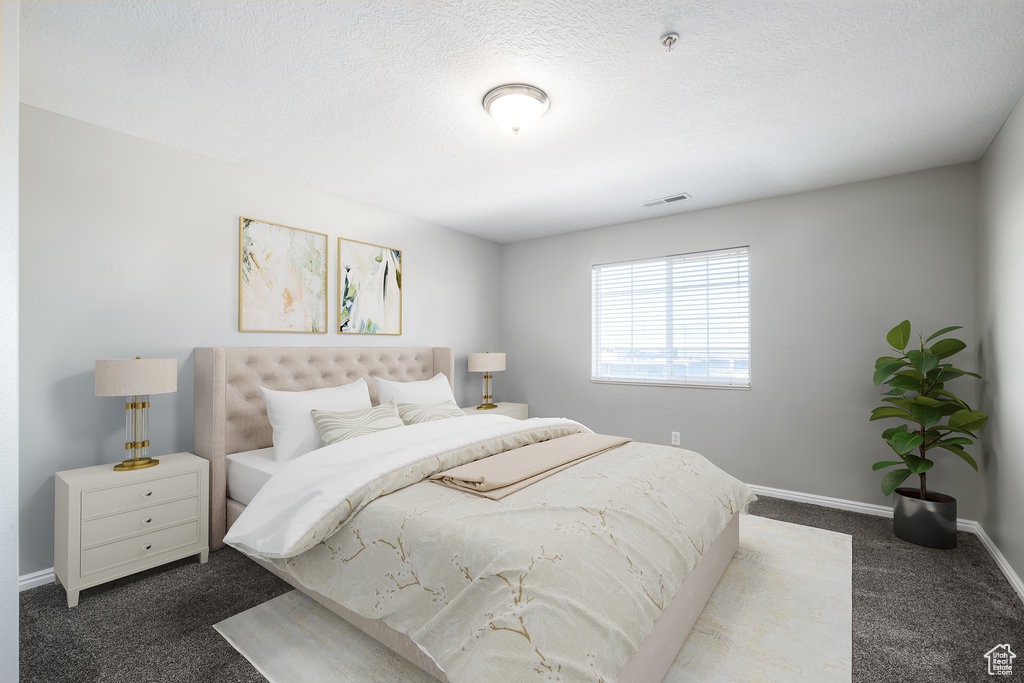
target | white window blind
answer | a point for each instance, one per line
(678, 320)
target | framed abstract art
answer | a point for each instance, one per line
(282, 278)
(369, 288)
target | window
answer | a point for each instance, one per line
(674, 320)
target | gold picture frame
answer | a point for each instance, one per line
(369, 288)
(282, 278)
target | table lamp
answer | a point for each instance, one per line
(487, 363)
(136, 378)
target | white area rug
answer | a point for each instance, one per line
(782, 612)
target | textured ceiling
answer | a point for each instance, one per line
(380, 101)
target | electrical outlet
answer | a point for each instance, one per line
(675, 438)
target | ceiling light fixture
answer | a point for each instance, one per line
(669, 40)
(516, 106)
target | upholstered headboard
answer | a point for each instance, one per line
(229, 413)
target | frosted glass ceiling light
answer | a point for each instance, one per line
(516, 106)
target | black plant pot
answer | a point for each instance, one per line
(931, 523)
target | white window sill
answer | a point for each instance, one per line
(640, 383)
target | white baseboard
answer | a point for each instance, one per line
(824, 501)
(35, 579)
(1001, 561)
(968, 525)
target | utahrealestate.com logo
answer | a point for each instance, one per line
(1000, 660)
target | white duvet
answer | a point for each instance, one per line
(310, 488)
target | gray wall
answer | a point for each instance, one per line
(131, 248)
(9, 340)
(831, 271)
(1002, 329)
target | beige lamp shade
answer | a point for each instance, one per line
(136, 376)
(486, 362)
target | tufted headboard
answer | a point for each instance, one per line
(229, 415)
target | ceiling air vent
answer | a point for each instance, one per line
(667, 200)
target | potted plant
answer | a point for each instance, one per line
(934, 418)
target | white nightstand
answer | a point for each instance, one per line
(519, 411)
(110, 524)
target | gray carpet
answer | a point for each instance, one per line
(154, 626)
(918, 614)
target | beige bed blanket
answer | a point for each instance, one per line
(499, 475)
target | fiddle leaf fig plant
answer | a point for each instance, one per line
(933, 416)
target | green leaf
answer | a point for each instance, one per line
(956, 440)
(918, 465)
(948, 372)
(905, 442)
(884, 360)
(904, 403)
(892, 392)
(967, 420)
(944, 406)
(961, 431)
(888, 411)
(923, 361)
(883, 370)
(951, 396)
(943, 331)
(927, 416)
(952, 373)
(882, 464)
(962, 453)
(887, 434)
(947, 347)
(912, 374)
(949, 407)
(904, 383)
(893, 479)
(899, 336)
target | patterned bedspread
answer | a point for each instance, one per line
(561, 580)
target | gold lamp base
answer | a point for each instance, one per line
(488, 397)
(135, 464)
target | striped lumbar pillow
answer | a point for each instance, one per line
(336, 427)
(414, 413)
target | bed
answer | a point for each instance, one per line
(232, 431)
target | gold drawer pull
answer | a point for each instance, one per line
(147, 520)
(147, 546)
(148, 493)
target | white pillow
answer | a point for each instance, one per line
(433, 390)
(295, 433)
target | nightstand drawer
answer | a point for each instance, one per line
(100, 529)
(138, 547)
(117, 498)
